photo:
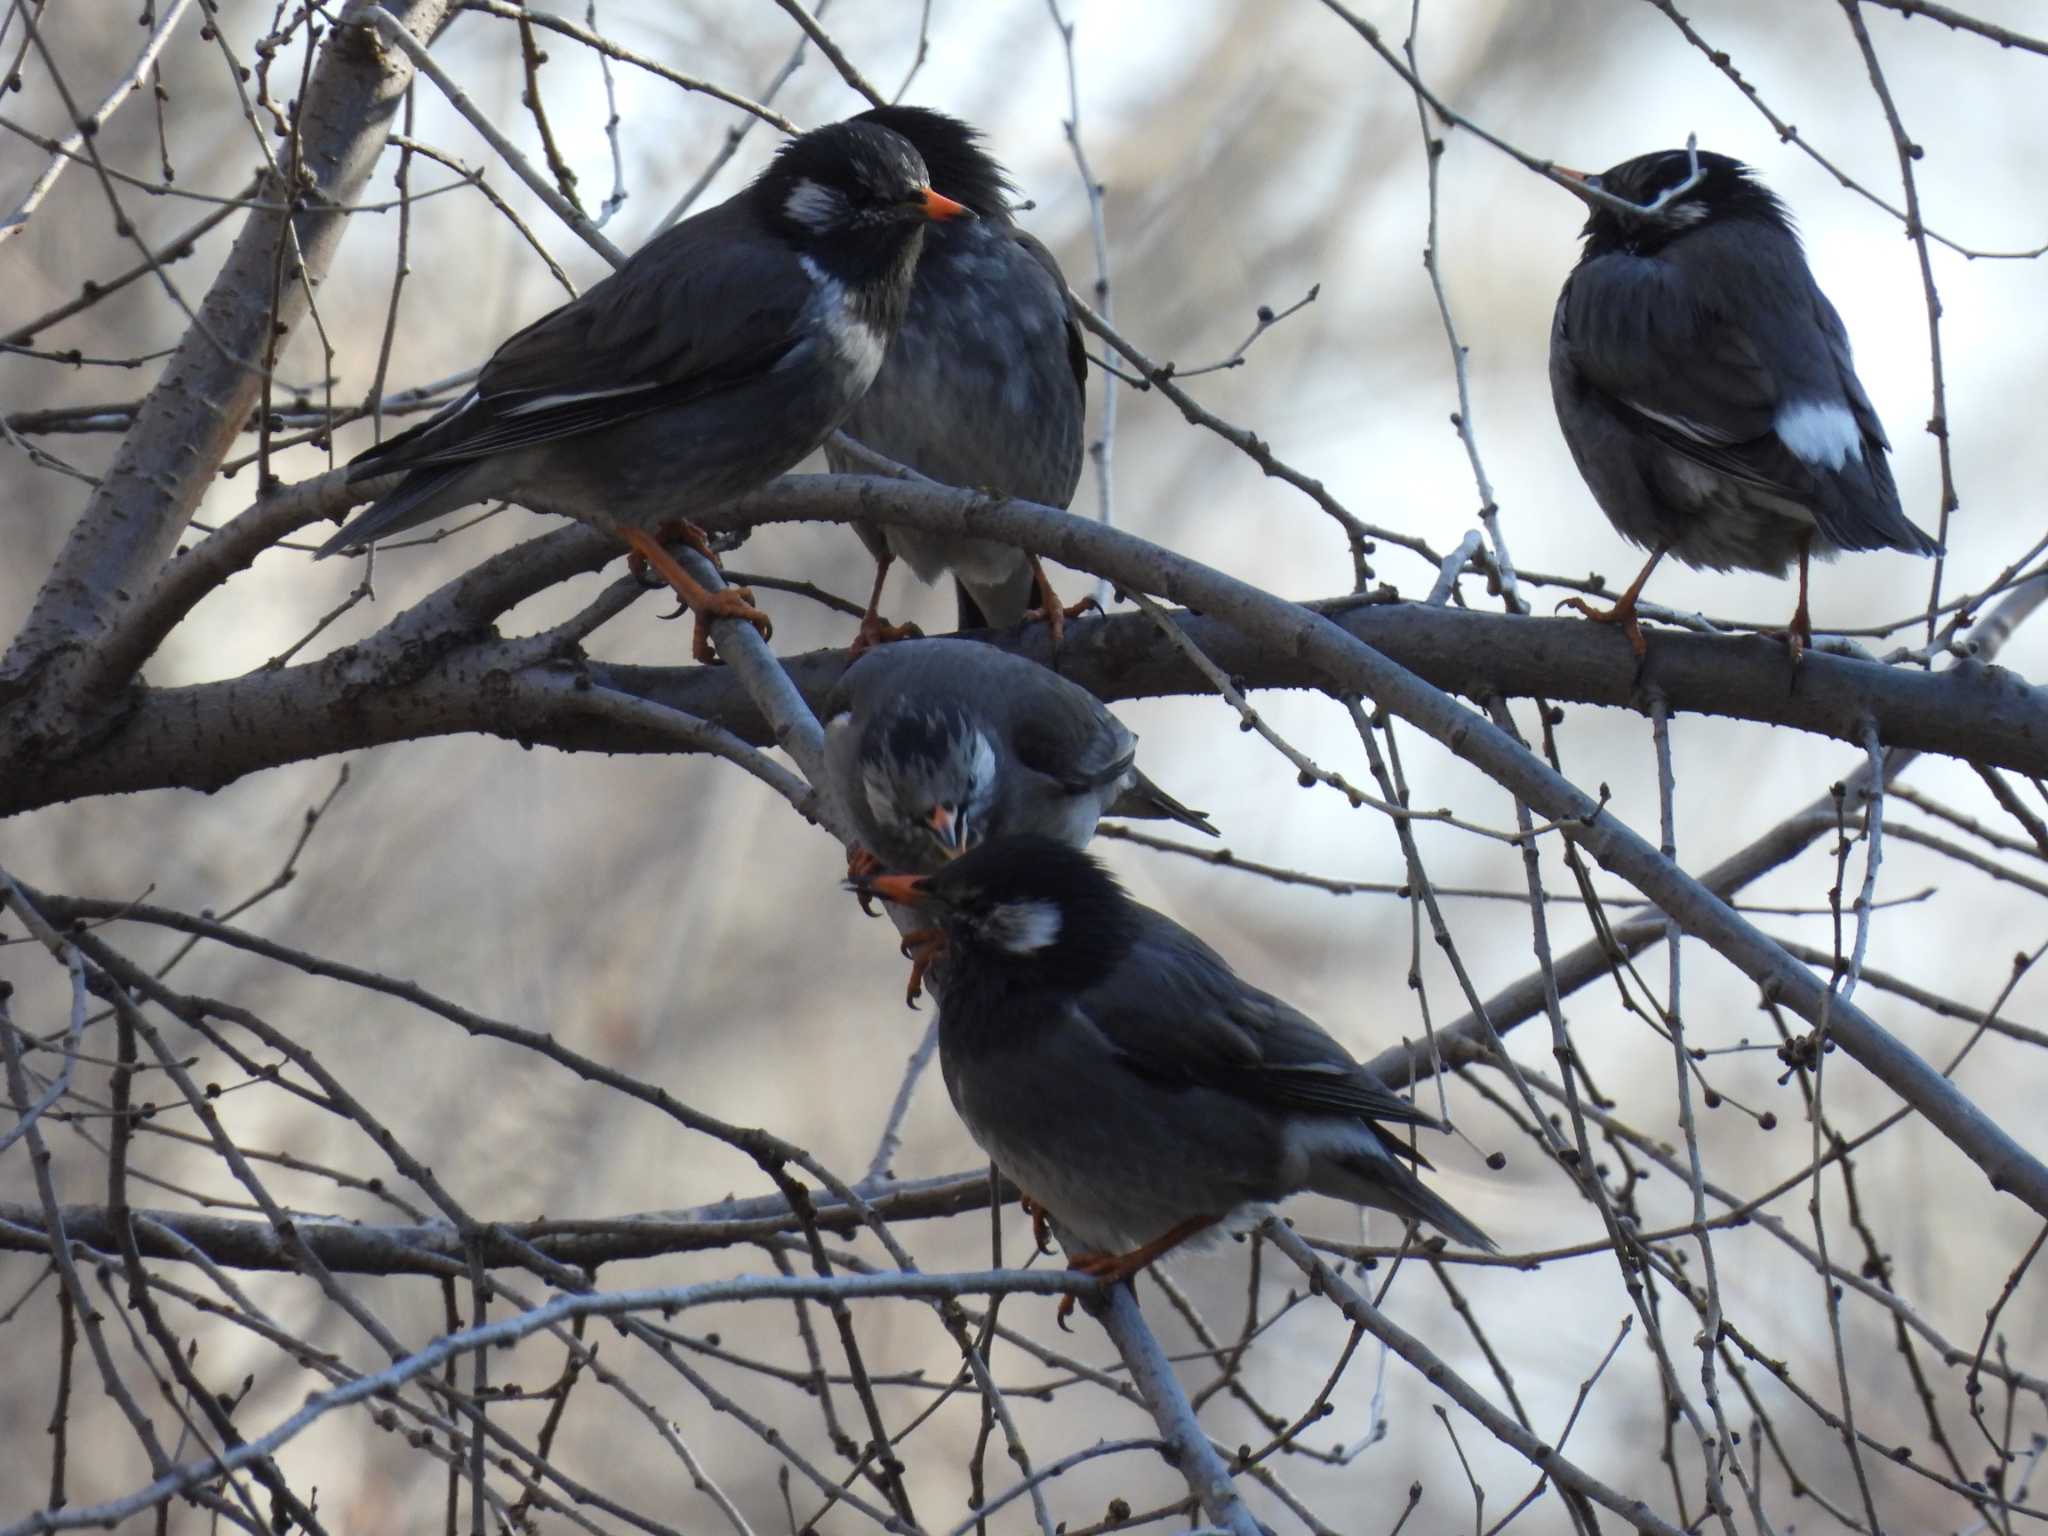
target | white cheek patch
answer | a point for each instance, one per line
(981, 769)
(1025, 927)
(815, 207)
(881, 793)
(1820, 432)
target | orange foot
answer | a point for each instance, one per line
(1624, 610)
(875, 630)
(1622, 613)
(1041, 1228)
(1114, 1268)
(708, 606)
(859, 865)
(1051, 609)
(921, 948)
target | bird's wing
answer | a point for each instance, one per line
(1077, 346)
(1177, 1016)
(699, 308)
(1691, 377)
(1067, 737)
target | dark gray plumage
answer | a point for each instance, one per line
(1127, 1080)
(1705, 387)
(985, 384)
(716, 357)
(934, 746)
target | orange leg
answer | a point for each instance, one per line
(1800, 635)
(1050, 608)
(1624, 611)
(874, 629)
(921, 948)
(859, 865)
(708, 606)
(1041, 1229)
(1110, 1268)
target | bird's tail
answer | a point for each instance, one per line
(415, 501)
(1143, 800)
(1375, 1179)
(996, 605)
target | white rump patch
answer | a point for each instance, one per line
(1025, 927)
(815, 206)
(1821, 432)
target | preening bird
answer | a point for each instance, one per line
(1705, 388)
(717, 356)
(936, 746)
(984, 387)
(1127, 1080)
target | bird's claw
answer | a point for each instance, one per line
(726, 603)
(1054, 615)
(921, 948)
(875, 630)
(860, 864)
(1041, 1227)
(1622, 613)
(1106, 1269)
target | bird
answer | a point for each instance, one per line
(984, 386)
(718, 355)
(1704, 384)
(1134, 1087)
(934, 746)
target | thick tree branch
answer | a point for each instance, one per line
(437, 668)
(184, 429)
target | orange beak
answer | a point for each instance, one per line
(904, 890)
(1575, 182)
(946, 824)
(940, 208)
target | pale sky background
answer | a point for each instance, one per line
(677, 922)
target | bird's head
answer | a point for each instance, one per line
(851, 189)
(1670, 193)
(931, 774)
(952, 151)
(1032, 906)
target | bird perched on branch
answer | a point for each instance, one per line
(936, 746)
(984, 387)
(717, 356)
(1127, 1080)
(1704, 383)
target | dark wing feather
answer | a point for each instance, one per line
(1077, 345)
(1686, 375)
(698, 309)
(1176, 1015)
(1072, 740)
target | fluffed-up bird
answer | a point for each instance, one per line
(1132, 1085)
(984, 387)
(1704, 384)
(717, 356)
(936, 746)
